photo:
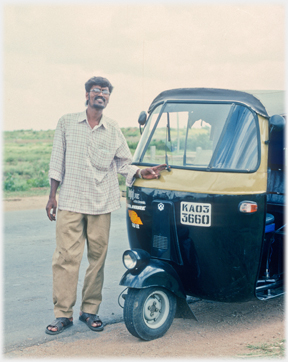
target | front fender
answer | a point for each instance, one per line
(156, 273)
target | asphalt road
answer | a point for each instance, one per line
(29, 243)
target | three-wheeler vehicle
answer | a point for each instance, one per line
(212, 226)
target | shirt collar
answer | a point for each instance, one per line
(83, 117)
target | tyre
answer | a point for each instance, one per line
(149, 312)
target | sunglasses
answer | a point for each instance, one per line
(98, 91)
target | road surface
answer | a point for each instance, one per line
(29, 242)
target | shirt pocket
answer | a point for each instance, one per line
(101, 158)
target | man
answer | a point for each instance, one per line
(89, 150)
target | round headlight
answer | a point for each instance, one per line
(129, 259)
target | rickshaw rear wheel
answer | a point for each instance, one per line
(149, 312)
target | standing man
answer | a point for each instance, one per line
(89, 150)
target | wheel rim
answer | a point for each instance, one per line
(156, 309)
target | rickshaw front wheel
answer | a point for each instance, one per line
(149, 312)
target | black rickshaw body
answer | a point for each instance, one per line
(206, 226)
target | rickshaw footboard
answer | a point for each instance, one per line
(183, 310)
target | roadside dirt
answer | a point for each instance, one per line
(223, 330)
(25, 203)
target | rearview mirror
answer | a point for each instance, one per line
(142, 118)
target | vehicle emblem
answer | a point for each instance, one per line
(161, 207)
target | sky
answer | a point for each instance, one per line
(49, 51)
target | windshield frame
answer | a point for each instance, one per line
(208, 168)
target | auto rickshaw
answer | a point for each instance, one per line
(212, 226)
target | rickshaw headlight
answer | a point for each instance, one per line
(135, 259)
(129, 259)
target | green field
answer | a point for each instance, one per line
(26, 157)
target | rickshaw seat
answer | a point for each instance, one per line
(276, 187)
(269, 224)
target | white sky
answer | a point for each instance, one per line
(50, 51)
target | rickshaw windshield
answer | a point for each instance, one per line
(214, 136)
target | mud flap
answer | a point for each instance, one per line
(183, 310)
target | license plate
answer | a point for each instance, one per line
(195, 213)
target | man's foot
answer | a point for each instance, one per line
(92, 321)
(59, 325)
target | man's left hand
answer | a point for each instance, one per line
(150, 173)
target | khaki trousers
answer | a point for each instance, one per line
(72, 229)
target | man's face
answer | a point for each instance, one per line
(98, 97)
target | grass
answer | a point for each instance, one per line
(26, 165)
(272, 350)
(41, 191)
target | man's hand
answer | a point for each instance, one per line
(150, 173)
(51, 205)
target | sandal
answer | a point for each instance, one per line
(89, 319)
(60, 324)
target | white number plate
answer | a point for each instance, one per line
(194, 213)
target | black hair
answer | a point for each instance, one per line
(102, 82)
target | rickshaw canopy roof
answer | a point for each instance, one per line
(224, 95)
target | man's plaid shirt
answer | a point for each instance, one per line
(86, 162)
